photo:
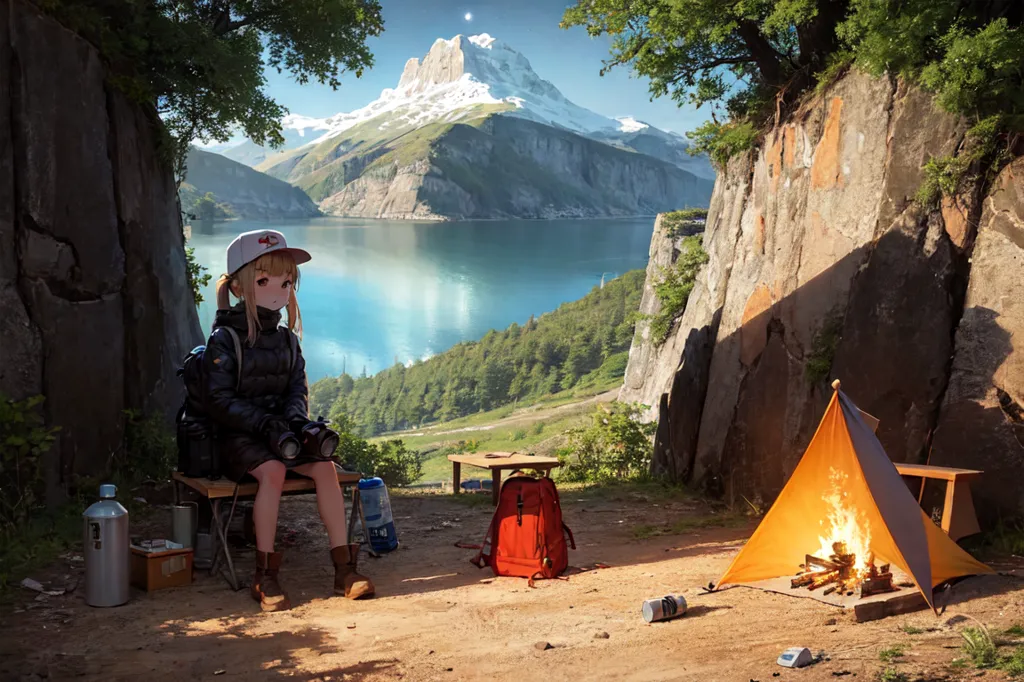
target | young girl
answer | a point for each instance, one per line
(262, 412)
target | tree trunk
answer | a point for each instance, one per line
(768, 60)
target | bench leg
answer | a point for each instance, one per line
(222, 540)
(495, 485)
(958, 517)
(456, 477)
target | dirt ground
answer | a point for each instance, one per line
(437, 617)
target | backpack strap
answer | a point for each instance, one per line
(572, 541)
(238, 354)
(483, 557)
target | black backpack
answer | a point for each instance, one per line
(198, 454)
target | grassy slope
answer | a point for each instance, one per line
(538, 428)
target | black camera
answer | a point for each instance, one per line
(318, 440)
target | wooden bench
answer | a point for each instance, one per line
(958, 516)
(222, 489)
(497, 462)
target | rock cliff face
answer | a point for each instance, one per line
(817, 250)
(249, 193)
(95, 309)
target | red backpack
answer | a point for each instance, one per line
(527, 536)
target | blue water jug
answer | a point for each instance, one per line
(377, 509)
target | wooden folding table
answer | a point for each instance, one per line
(497, 462)
(958, 516)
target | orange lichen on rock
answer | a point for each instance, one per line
(826, 171)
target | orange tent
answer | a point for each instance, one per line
(846, 487)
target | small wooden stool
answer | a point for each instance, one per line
(958, 517)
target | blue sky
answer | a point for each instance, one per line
(569, 59)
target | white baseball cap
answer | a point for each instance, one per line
(249, 246)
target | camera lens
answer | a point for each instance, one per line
(329, 443)
(289, 446)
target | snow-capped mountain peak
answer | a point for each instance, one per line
(630, 124)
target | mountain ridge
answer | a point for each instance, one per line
(416, 151)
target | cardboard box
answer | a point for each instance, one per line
(160, 570)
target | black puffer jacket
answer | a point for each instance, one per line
(271, 387)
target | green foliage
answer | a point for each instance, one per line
(1015, 630)
(390, 460)
(676, 283)
(24, 441)
(149, 452)
(891, 674)
(980, 71)
(1013, 665)
(201, 63)
(615, 447)
(208, 208)
(582, 344)
(979, 647)
(949, 175)
(722, 141)
(197, 275)
(684, 223)
(912, 630)
(836, 66)
(892, 653)
(823, 349)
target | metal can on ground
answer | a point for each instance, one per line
(665, 608)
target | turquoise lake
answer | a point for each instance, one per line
(381, 292)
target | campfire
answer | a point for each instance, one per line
(844, 563)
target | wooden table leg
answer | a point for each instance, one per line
(958, 517)
(456, 477)
(495, 485)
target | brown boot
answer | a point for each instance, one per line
(265, 589)
(346, 580)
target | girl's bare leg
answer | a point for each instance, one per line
(329, 500)
(270, 476)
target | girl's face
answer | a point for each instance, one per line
(273, 291)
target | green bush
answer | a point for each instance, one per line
(722, 141)
(390, 460)
(150, 451)
(197, 275)
(823, 349)
(24, 441)
(677, 281)
(979, 73)
(892, 653)
(615, 447)
(684, 223)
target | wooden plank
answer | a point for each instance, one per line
(226, 488)
(936, 472)
(874, 610)
(505, 460)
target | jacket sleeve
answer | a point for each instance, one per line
(296, 405)
(223, 403)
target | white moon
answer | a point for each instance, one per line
(469, 16)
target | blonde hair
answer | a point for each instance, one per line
(243, 285)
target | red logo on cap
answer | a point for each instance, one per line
(268, 240)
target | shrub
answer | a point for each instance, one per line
(890, 654)
(722, 141)
(196, 274)
(24, 442)
(673, 291)
(979, 647)
(684, 223)
(823, 349)
(149, 452)
(616, 446)
(390, 460)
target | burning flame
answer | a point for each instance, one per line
(846, 524)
